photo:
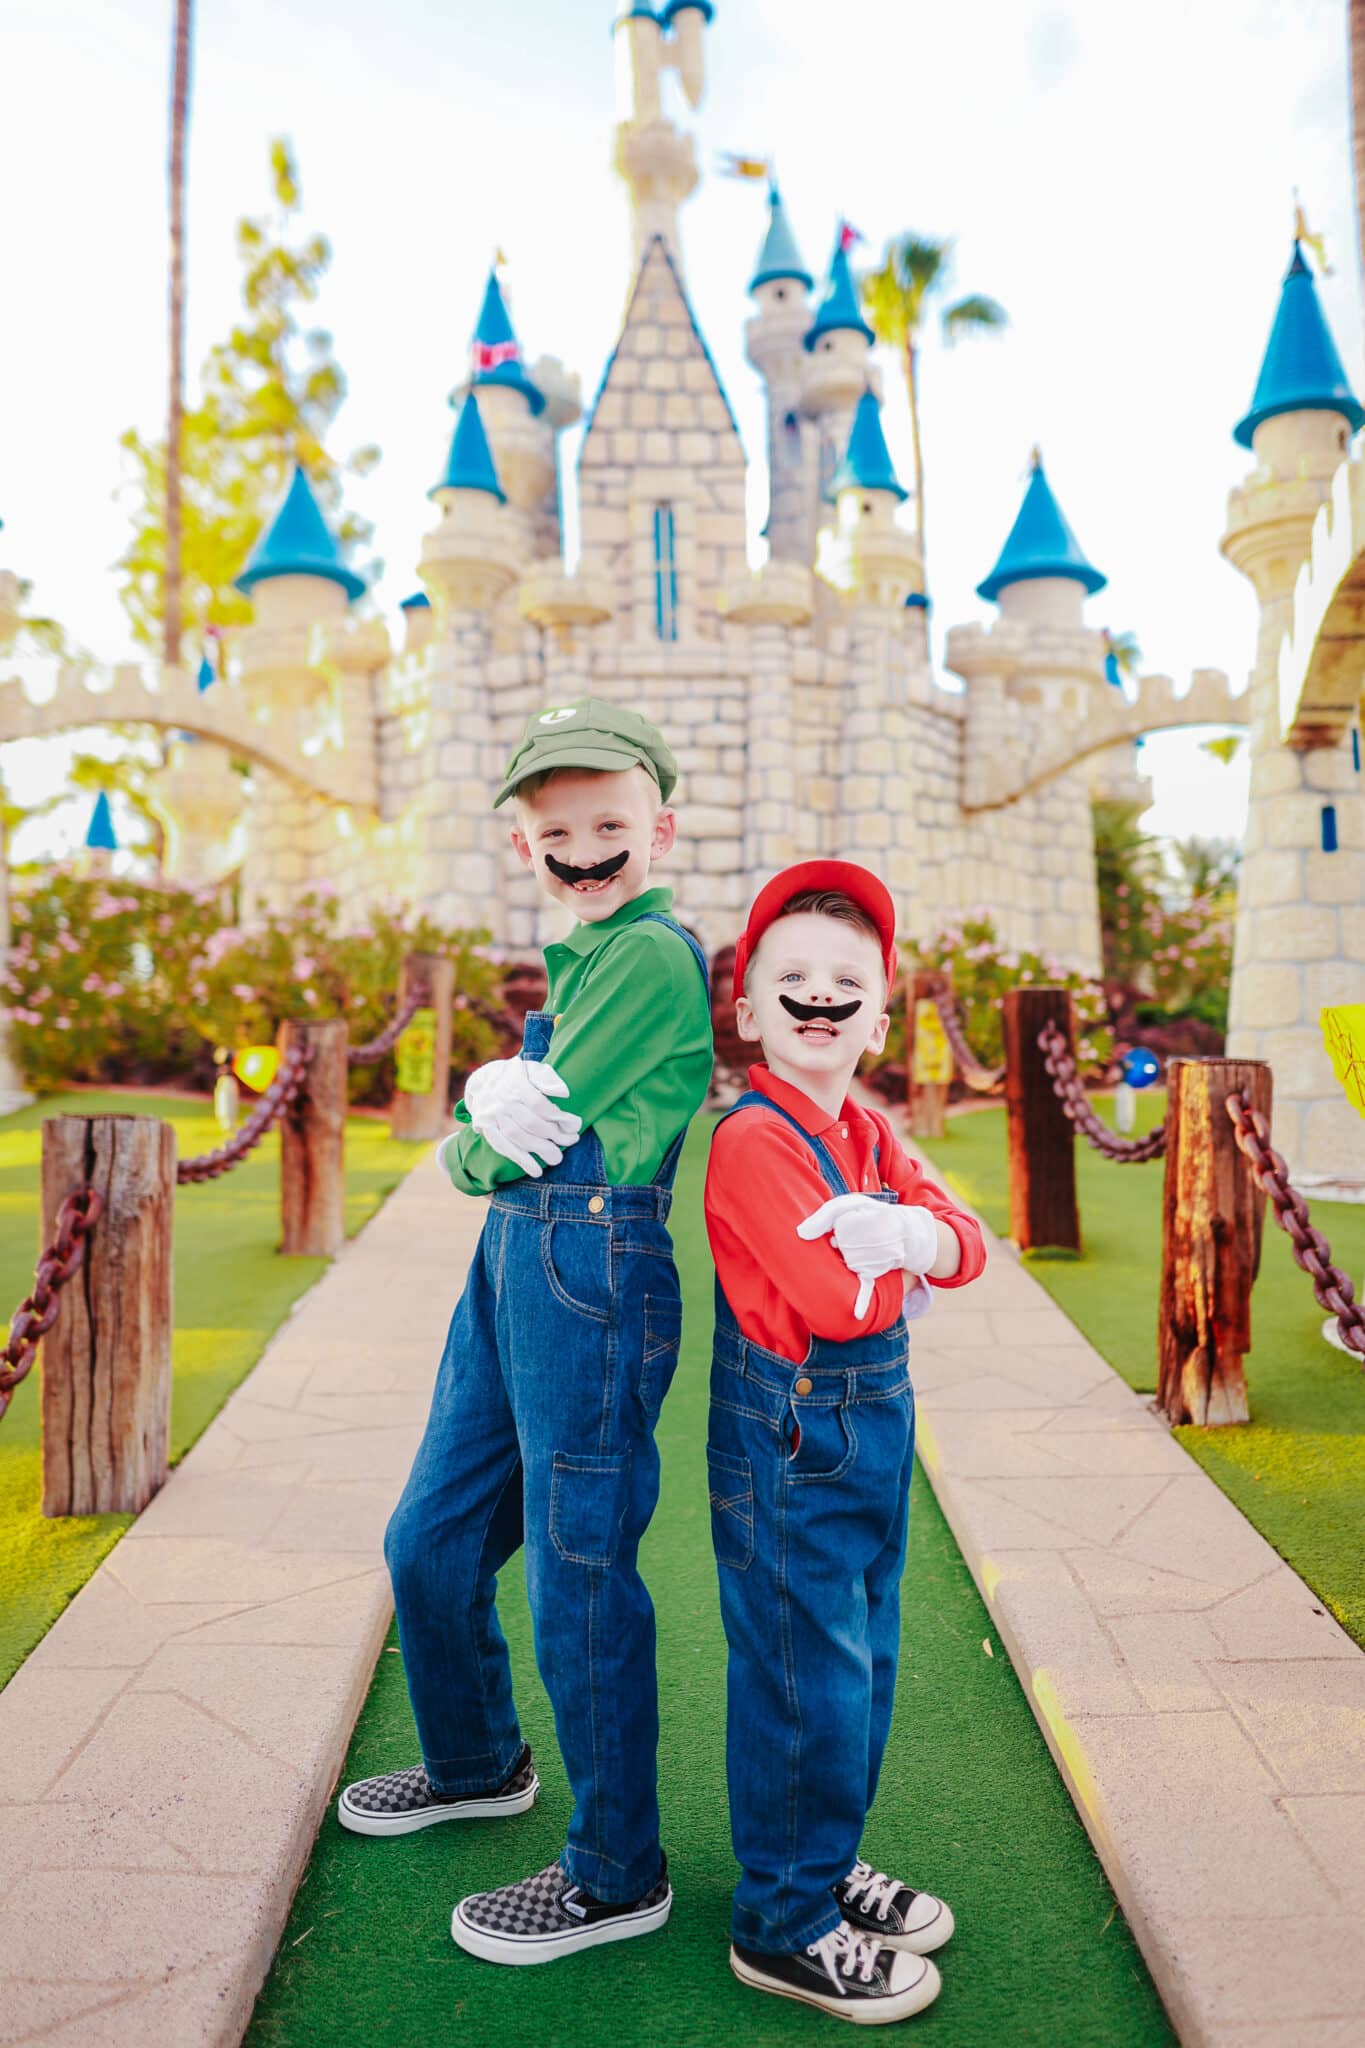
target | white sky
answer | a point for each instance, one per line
(1120, 178)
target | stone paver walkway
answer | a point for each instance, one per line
(1206, 1712)
(167, 1752)
(170, 1747)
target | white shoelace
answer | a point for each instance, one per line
(846, 1953)
(877, 1889)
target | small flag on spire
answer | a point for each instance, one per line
(499, 259)
(1302, 233)
(732, 166)
(849, 236)
(491, 355)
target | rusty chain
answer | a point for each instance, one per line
(62, 1260)
(985, 1080)
(366, 1055)
(1312, 1252)
(278, 1099)
(1076, 1106)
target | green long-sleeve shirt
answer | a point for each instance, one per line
(632, 1039)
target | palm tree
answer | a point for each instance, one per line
(898, 300)
(175, 409)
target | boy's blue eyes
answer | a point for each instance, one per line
(843, 980)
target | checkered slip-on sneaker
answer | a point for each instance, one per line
(893, 1913)
(548, 1915)
(847, 1974)
(403, 1801)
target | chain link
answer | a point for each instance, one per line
(278, 1099)
(1076, 1105)
(985, 1080)
(367, 1055)
(1312, 1252)
(34, 1317)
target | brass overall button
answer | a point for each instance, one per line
(802, 1385)
(596, 1204)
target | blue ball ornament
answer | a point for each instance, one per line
(1141, 1067)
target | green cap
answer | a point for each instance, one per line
(590, 733)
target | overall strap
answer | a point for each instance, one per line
(753, 1098)
(658, 917)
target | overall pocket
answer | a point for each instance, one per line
(576, 1258)
(587, 1501)
(825, 1441)
(731, 1484)
(659, 1356)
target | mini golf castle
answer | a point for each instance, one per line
(801, 698)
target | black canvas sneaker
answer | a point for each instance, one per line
(845, 1973)
(893, 1913)
(403, 1801)
(548, 1915)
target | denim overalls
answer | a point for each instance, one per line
(809, 1504)
(541, 1431)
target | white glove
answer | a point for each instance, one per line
(873, 1238)
(508, 1106)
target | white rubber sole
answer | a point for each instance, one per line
(921, 1941)
(880, 2012)
(361, 1823)
(518, 1949)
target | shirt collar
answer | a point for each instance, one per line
(585, 938)
(797, 1103)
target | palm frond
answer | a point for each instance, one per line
(973, 315)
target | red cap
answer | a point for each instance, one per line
(860, 884)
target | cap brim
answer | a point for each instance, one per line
(607, 760)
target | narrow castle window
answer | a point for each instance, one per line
(791, 440)
(665, 575)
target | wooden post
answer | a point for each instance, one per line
(418, 1111)
(313, 1145)
(924, 1049)
(1211, 1217)
(1042, 1146)
(106, 1361)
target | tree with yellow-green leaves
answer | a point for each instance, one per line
(899, 299)
(269, 393)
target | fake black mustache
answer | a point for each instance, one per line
(603, 872)
(822, 1013)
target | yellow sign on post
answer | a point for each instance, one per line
(932, 1060)
(1343, 1029)
(416, 1054)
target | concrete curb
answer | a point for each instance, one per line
(173, 1742)
(1205, 1711)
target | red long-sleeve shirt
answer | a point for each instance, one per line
(763, 1180)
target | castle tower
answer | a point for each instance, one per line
(774, 342)
(865, 553)
(835, 376)
(661, 471)
(1300, 940)
(1031, 679)
(468, 562)
(301, 591)
(655, 160)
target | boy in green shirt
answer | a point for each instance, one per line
(558, 1359)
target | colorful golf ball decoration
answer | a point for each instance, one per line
(1140, 1068)
(1343, 1032)
(257, 1065)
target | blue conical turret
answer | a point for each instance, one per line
(206, 676)
(867, 463)
(101, 837)
(297, 543)
(839, 308)
(1040, 544)
(673, 8)
(470, 465)
(779, 257)
(496, 351)
(1301, 370)
(418, 602)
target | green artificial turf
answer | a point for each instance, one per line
(970, 1804)
(232, 1290)
(1297, 1470)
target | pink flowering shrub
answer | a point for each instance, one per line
(141, 982)
(981, 969)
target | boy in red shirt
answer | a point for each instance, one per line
(824, 1235)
